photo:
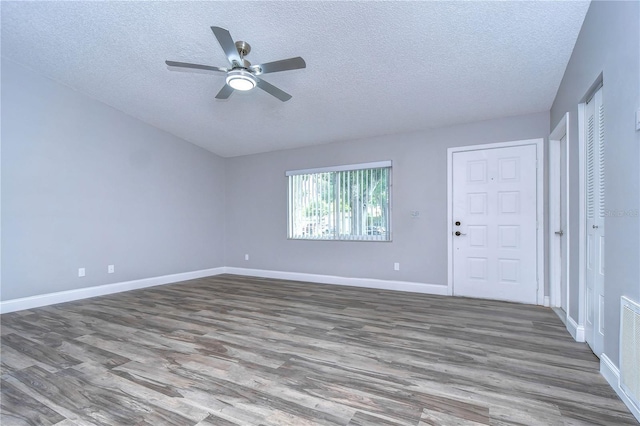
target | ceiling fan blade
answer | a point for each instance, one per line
(227, 44)
(282, 65)
(194, 66)
(225, 92)
(273, 90)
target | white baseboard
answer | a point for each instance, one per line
(409, 286)
(13, 305)
(576, 331)
(561, 314)
(37, 301)
(612, 375)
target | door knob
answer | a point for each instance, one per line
(457, 223)
(458, 233)
(594, 226)
(560, 232)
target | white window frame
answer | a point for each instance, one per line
(342, 168)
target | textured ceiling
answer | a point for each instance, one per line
(373, 68)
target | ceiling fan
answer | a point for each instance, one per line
(242, 75)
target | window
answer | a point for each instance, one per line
(341, 203)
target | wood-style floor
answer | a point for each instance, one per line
(230, 350)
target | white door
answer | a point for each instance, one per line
(494, 223)
(594, 328)
(562, 232)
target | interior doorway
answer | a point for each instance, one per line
(559, 229)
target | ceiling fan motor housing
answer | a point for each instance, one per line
(243, 48)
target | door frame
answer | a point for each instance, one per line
(540, 252)
(555, 265)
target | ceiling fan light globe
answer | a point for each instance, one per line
(242, 84)
(241, 80)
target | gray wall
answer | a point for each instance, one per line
(84, 185)
(609, 44)
(257, 201)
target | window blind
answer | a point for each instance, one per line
(349, 203)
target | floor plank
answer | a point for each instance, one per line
(233, 350)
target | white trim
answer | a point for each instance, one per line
(346, 167)
(541, 219)
(409, 286)
(546, 302)
(555, 267)
(576, 331)
(87, 292)
(539, 143)
(582, 224)
(561, 314)
(612, 374)
(449, 222)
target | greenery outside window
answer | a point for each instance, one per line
(349, 203)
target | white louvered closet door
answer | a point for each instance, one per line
(594, 131)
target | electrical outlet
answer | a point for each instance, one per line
(246, 257)
(81, 272)
(396, 266)
(111, 269)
